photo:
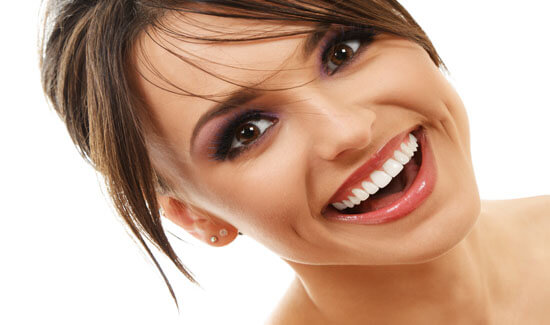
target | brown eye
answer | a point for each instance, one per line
(340, 53)
(247, 133)
(252, 130)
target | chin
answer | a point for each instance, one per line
(446, 217)
(439, 222)
(451, 211)
(445, 230)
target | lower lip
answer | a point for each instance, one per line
(420, 189)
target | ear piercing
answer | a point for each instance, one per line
(223, 232)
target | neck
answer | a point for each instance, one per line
(453, 286)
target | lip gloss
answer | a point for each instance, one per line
(374, 163)
(419, 190)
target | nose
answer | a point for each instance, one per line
(340, 129)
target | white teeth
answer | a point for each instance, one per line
(406, 150)
(348, 204)
(361, 195)
(339, 206)
(370, 187)
(413, 145)
(354, 200)
(401, 157)
(380, 178)
(392, 167)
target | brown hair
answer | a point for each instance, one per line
(86, 48)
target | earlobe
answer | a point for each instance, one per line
(207, 228)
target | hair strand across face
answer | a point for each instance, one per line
(87, 75)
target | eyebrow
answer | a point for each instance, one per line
(245, 95)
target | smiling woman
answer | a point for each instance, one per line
(325, 130)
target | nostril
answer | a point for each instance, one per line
(342, 131)
(349, 153)
(344, 142)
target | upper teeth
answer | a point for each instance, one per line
(381, 178)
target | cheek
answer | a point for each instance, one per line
(403, 75)
(264, 197)
(412, 82)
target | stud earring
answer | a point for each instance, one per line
(223, 232)
(213, 239)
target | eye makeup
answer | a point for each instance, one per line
(221, 149)
(340, 35)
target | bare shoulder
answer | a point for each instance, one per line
(520, 229)
(529, 210)
(518, 233)
(520, 226)
(533, 215)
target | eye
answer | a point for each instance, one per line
(247, 133)
(341, 53)
(344, 47)
(240, 133)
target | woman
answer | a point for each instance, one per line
(325, 131)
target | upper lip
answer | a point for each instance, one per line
(373, 163)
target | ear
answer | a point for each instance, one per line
(204, 227)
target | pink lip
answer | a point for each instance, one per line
(420, 189)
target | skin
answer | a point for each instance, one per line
(441, 262)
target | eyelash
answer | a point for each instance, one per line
(222, 145)
(365, 36)
(224, 139)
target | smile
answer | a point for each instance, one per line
(390, 185)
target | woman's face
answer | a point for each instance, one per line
(272, 162)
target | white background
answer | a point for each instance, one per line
(66, 259)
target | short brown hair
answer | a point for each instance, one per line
(86, 48)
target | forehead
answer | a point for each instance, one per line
(181, 56)
(181, 77)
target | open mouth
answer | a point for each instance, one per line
(390, 185)
(386, 194)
